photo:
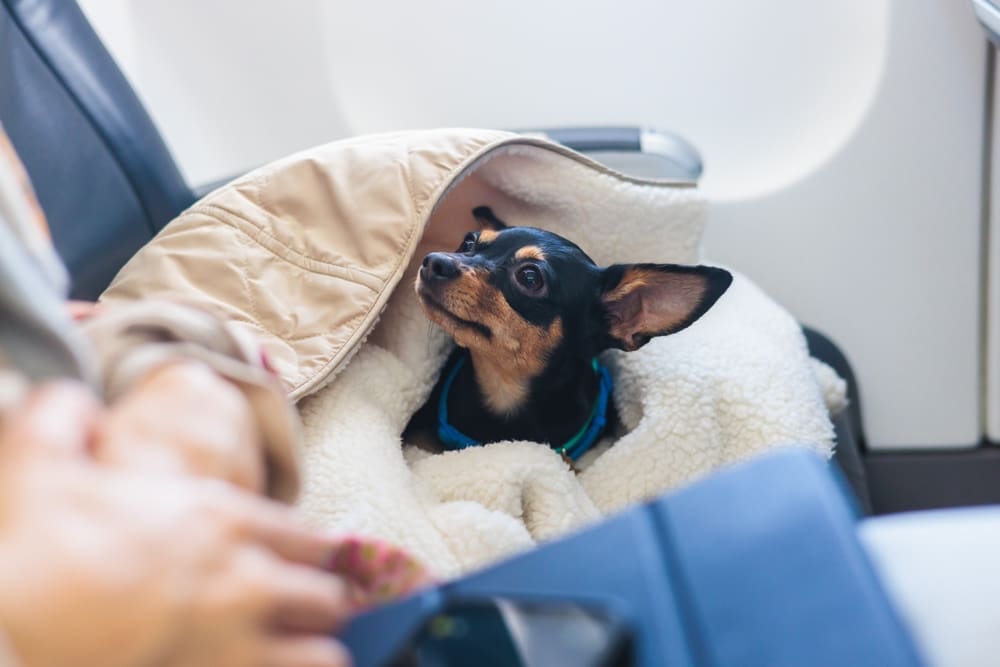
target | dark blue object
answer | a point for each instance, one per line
(757, 565)
(103, 175)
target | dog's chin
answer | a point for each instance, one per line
(458, 327)
(437, 315)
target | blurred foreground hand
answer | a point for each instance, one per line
(183, 417)
(113, 566)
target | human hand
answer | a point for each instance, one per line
(112, 567)
(183, 417)
(375, 571)
(82, 310)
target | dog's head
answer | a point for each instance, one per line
(516, 294)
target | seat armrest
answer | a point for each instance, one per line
(203, 189)
(634, 150)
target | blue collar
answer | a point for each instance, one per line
(574, 448)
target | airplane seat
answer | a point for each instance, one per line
(847, 424)
(70, 112)
(108, 183)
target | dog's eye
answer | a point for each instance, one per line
(530, 278)
(469, 243)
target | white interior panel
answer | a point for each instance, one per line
(231, 85)
(992, 400)
(842, 140)
(764, 89)
(879, 246)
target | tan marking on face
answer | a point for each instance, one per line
(488, 236)
(517, 351)
(530, 252)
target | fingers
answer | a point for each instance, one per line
(379, 571)
(307, 600)
(60, 418)
(298, 544)
(183, 417)
(305, 652)
(82, 310)
(277, 528)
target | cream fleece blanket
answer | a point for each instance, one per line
(736, 383)
(307, 253)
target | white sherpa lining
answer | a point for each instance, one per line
(736, 383)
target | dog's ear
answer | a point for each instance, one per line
(641, 301)
(484, 215)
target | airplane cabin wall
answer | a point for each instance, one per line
(842, 141)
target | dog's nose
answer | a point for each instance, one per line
(439, 266)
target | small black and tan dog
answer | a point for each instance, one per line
(530, 312)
